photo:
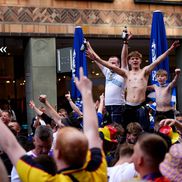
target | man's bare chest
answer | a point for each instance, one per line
(136, 79)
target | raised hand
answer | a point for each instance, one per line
(32, 104)
(42, 98)
(177, 71)
(130, 35)
(175, 44)
(68, 96)
(102, 96)
(84, 84)
(91, 53)
(169, 122)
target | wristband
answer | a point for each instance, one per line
(125, 42)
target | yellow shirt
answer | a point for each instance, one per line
(95, 169)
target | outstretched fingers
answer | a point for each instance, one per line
(83, 84)
(81, 73)
(176, 43)
(90, 52)
(76, 80)
(130, 35)
(31, 104)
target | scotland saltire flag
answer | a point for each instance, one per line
(173, 99)
(79, 60)
(158, 45)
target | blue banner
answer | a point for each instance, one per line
(158, 45)
(79, 60)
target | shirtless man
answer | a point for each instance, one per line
(136, 83)
(163, 93)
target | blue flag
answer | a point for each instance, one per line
(79, 60)
(158, 45)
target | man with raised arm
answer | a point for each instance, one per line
(136, 83)
(115, 84)
(78, 156)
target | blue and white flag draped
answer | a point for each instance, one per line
(158, 45)
(79, 60)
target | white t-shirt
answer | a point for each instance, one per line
(114, 88)
(54, 139)
(42, 122)
(121, 173)
(14, 175)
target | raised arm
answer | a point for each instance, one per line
(174, 81)
(124, 52)
(33, 106)
(101, 103)
(90, 121)
(150, 88)
(93, 56)
(73, 105)
(9, 144)
(98, 64)
(36, 122)
(100, 110)
(150, 67)
(50, 110)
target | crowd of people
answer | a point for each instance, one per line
(112, 139)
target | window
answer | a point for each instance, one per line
(167, 2)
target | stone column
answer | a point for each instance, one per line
(40, 72)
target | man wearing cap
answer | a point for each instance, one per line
(168, 131)
(111, 134)
(170, 123)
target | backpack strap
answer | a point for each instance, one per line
(72, 178)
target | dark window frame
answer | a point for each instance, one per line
(164, 2)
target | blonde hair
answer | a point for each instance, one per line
(161, 72)
(135, 54)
